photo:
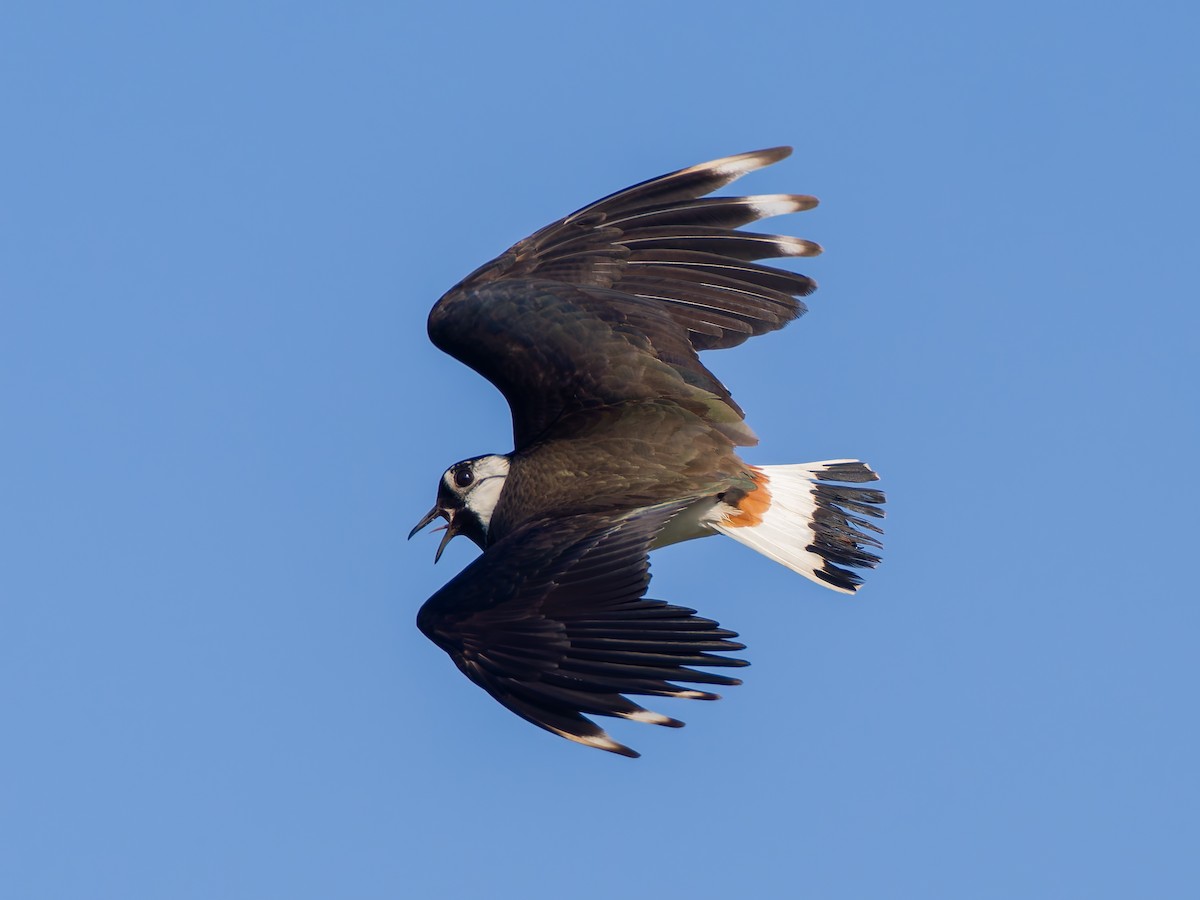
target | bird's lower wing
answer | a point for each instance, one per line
(552, 622)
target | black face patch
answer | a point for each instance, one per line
(448, 497)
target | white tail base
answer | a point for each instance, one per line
(784, 527)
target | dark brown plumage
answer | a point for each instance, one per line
(624, 440)
(564, 630)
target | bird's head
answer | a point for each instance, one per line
(467, 496)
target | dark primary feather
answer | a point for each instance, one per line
(684, 184)
(552, 622)
(618, 298)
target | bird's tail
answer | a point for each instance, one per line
(798, 517)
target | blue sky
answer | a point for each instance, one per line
(221, 229)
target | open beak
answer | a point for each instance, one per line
(448, 528)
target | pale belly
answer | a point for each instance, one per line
(694, 522)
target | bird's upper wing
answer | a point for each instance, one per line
(613, 302)
(552, 622)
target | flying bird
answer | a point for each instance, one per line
(624, 442)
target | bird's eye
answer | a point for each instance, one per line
(464, 477)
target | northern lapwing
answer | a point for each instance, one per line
(624, 442)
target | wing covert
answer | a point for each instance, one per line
(554, 349)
